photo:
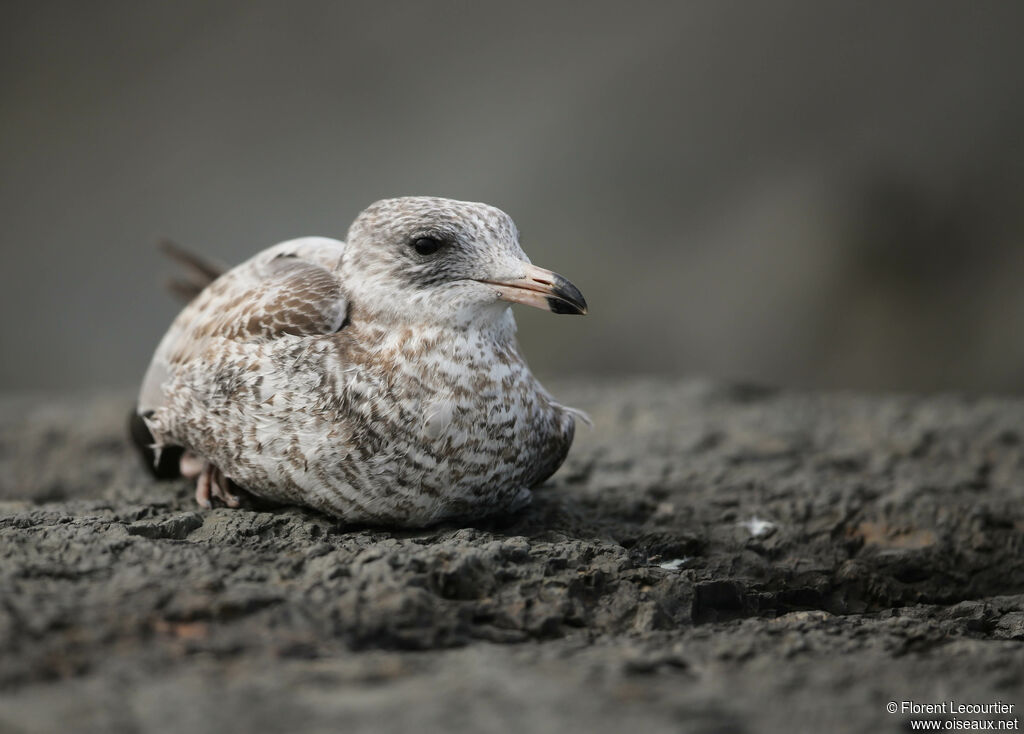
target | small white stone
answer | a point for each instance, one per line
(758, 527)
(674, 565)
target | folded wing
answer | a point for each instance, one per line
(292, 288)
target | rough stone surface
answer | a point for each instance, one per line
(711, 558)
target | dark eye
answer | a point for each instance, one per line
(427, 245)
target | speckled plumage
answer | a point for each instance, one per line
(364, 379)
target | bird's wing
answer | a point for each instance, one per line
(290, 288)
(198, 272)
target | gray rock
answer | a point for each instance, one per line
(711, 558)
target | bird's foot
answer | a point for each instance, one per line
(190, 465)
(211, 483)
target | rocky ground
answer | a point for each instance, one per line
(711, 558)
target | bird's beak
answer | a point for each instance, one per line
(543, 289)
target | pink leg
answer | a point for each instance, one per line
(211, 483)
(190, 465)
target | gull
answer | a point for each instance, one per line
(377, 379)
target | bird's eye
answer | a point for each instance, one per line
(426, 245)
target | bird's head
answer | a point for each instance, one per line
(422, 259)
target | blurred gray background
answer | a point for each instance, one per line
(805, 193)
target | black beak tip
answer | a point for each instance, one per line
(557, 305)
(567, 298)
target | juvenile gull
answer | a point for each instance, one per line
(376, 379)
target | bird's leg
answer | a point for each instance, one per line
(211, 483)
(190, 465)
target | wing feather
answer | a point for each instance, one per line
(292, 288)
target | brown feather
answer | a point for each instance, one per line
(200, 272)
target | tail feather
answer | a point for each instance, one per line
(199, 272)
(166, 464)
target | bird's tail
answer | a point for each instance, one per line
(162, 465)
(199, 272)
